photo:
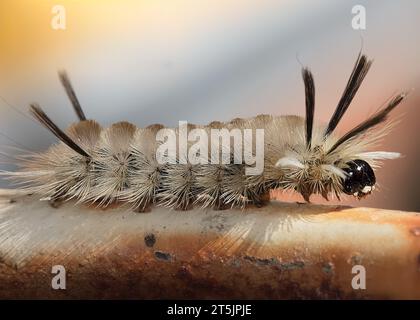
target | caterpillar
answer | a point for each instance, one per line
(119, 164)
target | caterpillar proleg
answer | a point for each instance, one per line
(120, 164)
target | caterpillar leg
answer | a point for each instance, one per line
(55, 203)
(262, 200)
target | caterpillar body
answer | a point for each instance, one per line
(119, 164)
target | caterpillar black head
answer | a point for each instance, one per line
(360, 179)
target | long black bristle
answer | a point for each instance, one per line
(359, 72)
(65, 81)
(310, 103)
(374, 120)
(40, 115)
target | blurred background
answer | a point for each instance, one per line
(161, 61)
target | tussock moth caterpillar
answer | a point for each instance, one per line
(119, 164)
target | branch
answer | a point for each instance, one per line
(283, 250)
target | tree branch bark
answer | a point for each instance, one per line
(280, 251)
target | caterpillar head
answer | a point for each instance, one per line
(316, 171)
(360, 179)
(327, 164)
